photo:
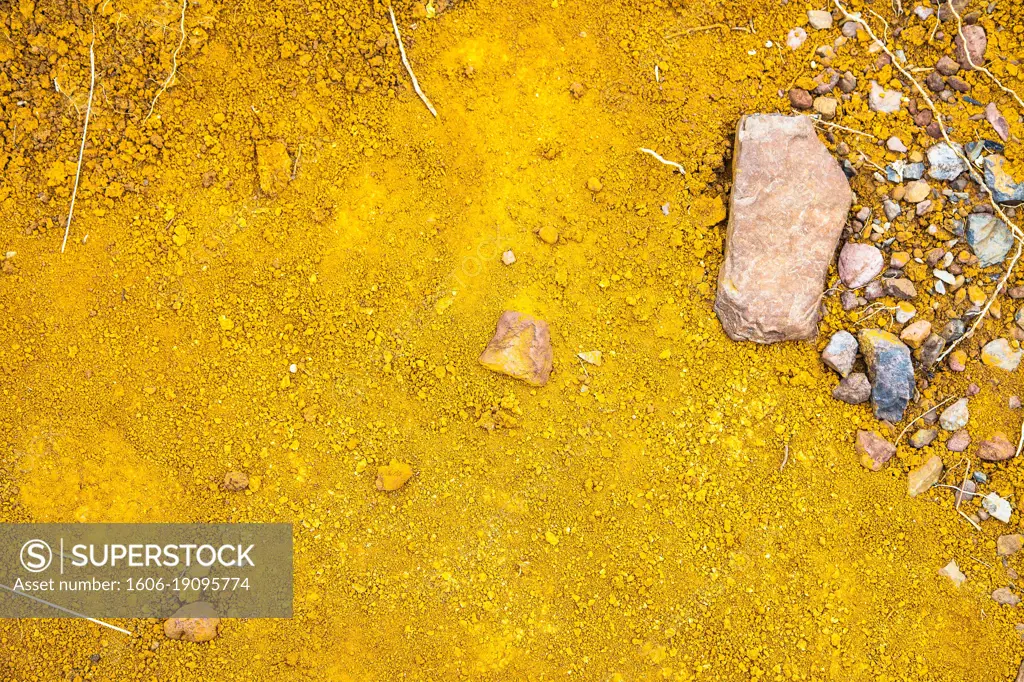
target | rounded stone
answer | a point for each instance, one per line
(859, 264)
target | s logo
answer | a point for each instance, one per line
(36, 556)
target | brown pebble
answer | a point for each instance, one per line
(934, 82)
(996, 449)
(958, 84)
(800, 99)
(901, 288)
(1008, 545)
(947, 66)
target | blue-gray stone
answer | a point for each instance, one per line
(1004, 189)
(899, 170)
(913, 171)
(944, 163)
(989, 238)
(891, 372)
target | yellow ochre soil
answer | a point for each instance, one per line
(292, 202)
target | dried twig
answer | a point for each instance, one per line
(81, 149)
(885, 31)
(174, 63)
(963, 491)
(658, 156)
(920, 416)
(963, 486)
(818, 121)
(696, 29)
(785, 458)
(408, 67)
(970, 168)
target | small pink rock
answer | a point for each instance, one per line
(1014, 402)
(1008, 545)
(959, 441)
(956, 363)
(874, 450)
(996, 449)
(895, 144)
(965, 493)
(946, 66)
(1005, 596)
(998, 121)
(859, 264)
(971, 54)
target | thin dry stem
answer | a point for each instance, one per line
(885, 31)
(81, 148)
(16, 591)
(677, 166)
(919, 417)
(696, 29)
(868, 159)
(785, 457)
(818, 121)
(408, 66)
(174, 63)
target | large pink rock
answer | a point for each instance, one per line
(789, 202)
